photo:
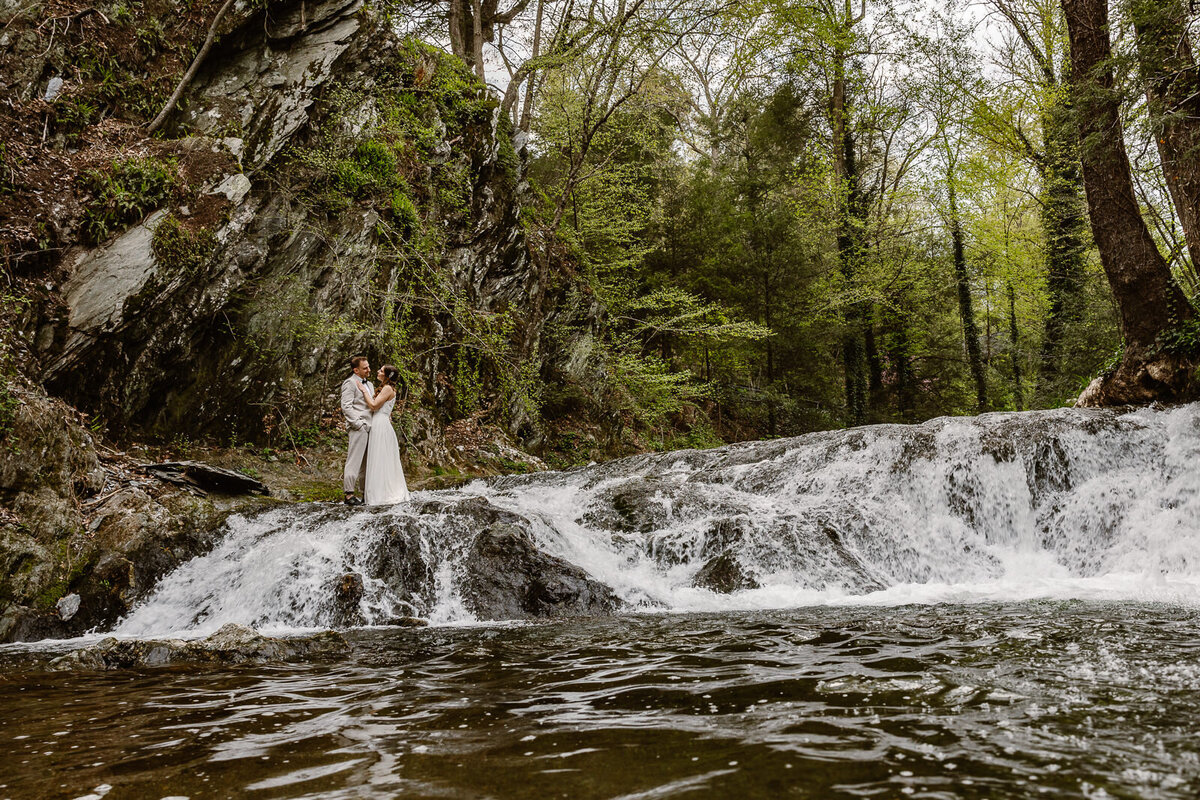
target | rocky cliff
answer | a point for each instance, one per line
(326, 188)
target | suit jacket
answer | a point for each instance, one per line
(354, 405)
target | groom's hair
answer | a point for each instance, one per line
(354, 362)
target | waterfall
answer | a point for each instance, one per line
(1001, 507)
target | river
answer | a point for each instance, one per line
(1002, 606)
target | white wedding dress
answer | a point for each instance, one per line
(384, 483)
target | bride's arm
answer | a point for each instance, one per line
(380, 398)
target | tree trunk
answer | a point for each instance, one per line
(874, 367)
(849, 250)
(966, 306)
(531, 81)
(902, 362)
(768, 298)
(1172, 83)
(1015, 350)
(1147, 297)
(477, 40)
(1063, 214)
(460, 20)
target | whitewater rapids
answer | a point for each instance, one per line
(1063, 504)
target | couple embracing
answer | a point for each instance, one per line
(374, 456)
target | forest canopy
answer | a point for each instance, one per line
(803, 215)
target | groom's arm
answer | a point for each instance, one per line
(354, 416)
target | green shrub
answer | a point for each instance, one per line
(347, 171)
(180, 249)
(9, 402)
(1180, 338)
(11, 307)
(370, 167)
(468, 386)
(125, 193)
(73, 115)
(404, 212)
(376, 161)
(508, 163)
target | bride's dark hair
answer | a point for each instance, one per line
(392, 376)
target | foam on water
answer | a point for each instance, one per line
(1003, 507)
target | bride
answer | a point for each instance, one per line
(384, 483)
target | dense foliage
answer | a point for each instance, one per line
(804, 215)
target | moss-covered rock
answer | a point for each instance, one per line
(74, 524)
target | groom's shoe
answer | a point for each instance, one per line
(351, 500)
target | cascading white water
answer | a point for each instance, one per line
(1004, 507)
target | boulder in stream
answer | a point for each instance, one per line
(510, 578)
(723, 574)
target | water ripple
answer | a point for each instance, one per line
(1069, 700)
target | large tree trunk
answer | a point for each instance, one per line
(966, 306)
(1148, 299)
(1064, 221)
(1173, 94)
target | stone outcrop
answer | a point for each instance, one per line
(199, 478)
(500, 571)
(232, 644)
(76, 522)
(723, 574)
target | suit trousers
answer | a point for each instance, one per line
(356, 461)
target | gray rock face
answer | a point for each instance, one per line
(53, 88)
(265, 323)
(724, 574)
(67, 606)
(103, 279)
(232, 644)
(265, 86)
(510, 578)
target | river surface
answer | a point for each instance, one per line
(1039, 699)
(1005, 606)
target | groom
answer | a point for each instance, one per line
(358, 421)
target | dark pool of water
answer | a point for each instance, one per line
(1031, 700)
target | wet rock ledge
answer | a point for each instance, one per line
(232, 644)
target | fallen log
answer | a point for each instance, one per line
(200, 478)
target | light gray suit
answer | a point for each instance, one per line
(358, 420)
